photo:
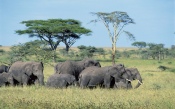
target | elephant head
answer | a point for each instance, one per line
(38, 71)
(4, 68)
(121, 68)
(133, 74)
(35, 71)
(113, 75)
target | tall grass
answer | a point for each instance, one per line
(157, 92)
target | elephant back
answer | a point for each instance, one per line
(89, 70)
(66, 68)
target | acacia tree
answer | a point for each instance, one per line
(54, 31)
(114, 23)
(140, 45)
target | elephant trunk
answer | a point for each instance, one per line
(41, 80)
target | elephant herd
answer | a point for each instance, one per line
(86, 73)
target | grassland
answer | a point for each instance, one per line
(157, 92)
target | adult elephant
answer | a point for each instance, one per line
(4, 79)
(75, 67)
(26, 73)
(60, 80)
(103, 77)
(131, 74)
(4, 68)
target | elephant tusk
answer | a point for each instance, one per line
(128, 80)
(140, 82)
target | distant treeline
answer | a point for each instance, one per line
(39, 51)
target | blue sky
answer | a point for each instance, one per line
(155, 19)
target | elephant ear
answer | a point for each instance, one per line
(28, 70)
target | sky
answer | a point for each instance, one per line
(155, 19)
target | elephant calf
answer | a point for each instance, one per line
(60, 80)
(122, 84)
(4, 79)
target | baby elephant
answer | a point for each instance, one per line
(60, 80)
(121, 84)
(4, 79)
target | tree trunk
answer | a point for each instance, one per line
(159, 56)
(67, 48)
(113, 53)
(54, 56)
(113, 59)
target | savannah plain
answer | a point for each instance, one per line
(156, 92)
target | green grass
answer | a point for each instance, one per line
(157, 92)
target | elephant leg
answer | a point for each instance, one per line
(107, 81)
(96, 81)
(11, 80)
(84, 82)
(92, 84)
(129, 85)
(25, 79)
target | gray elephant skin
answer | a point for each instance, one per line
(103, 77)
(4, 79)
(57, 66)
(4, 68)
(26, 73)
(123, 84)
(75, 67)
(60, 80)
(131, 74)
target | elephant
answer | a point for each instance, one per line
(75, 67)
(131, 74)
(60, 80)
(123, 84)
(4, 79)
(4, 68)
(96, 76)
(26, 73)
